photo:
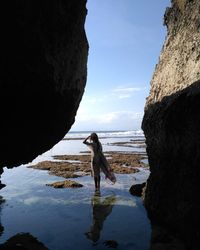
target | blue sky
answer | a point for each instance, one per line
(125, 39)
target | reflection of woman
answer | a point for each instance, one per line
(101, 209)
(98, 160)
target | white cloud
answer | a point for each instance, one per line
(129, 89)
(126, 92)
(107, 118)
(61, 201)
(94, 99)
(124, 96)
(102, 112)
(121, 120)
(125, 120)
(82, 114)
(119, 92)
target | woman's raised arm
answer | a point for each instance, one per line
(85, 141)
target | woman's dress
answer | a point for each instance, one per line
(99, 162)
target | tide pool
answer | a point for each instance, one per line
(74, 218)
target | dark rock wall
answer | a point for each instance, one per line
(172, 128)
(43, 74)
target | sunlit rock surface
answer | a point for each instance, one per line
(179, 62)
(44, 55)
(171, 125)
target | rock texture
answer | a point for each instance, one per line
(171, 125)
(65, 184)
(137, 189)
(73, 166)
(179, 62)
(44, 55)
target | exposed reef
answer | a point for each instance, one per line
(171, 125)
(73, 166)
(65, 184)
(44, 53)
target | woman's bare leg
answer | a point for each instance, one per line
(97, 183)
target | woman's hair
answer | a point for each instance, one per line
(94, 138)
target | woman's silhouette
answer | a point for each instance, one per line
(98, 160)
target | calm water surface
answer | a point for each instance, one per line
(73, 218)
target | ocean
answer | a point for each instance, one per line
(76, 218)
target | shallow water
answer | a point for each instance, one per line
(73, 218)
(77, 147)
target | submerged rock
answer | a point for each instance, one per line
(23, 241)
(111, 243)
(65, 184)
(137, 189)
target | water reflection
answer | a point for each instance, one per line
(101, 208)
(2, 200)
(72, 212)
(23, 241)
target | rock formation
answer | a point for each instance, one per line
(44, 55)
(23, 241)
(65, 184)
(171, 125)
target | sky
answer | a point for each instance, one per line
(125, 40)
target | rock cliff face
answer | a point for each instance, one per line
(171, 125)
(44, 57)
(179, 62)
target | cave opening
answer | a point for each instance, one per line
(44, 106)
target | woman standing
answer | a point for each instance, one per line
(98, 161)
